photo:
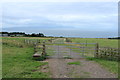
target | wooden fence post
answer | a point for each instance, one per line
(38, 41)
(86, 43)
(97, 50)
(43, 49)
(118, 55)
(35, 49)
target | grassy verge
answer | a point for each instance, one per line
(112, 66)
(17, 61)
(74, 63)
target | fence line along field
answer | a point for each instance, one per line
(26, 57)
(108, 51)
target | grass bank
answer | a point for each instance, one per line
(17, 61)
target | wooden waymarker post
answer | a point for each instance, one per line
(44, 48)
(97, 50)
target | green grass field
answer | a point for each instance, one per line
(18, 62)
(102, 42)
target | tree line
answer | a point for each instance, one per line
(114, 38)
(12, 34)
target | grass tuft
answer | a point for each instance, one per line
(74, 63)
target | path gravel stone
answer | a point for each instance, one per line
(87, 69)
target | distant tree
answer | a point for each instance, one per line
(33, 35)
(41, 35)
(114, 38)
(12, 34)
(3, 32)
(61, 37)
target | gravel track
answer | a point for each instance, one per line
(87, 69)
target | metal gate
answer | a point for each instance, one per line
(70, 50)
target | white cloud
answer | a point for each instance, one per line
(114, 15)
(61, 15)
(24, 20)
(60, 0)
(75, 17)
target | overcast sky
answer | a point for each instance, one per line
(71, 19)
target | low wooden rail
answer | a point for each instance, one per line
(31, 41)
(39, 48)
(107, 53)
(39, 51)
